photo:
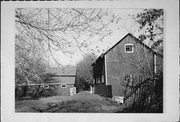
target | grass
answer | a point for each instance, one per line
(83, 102)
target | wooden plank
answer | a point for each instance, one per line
(106, 80)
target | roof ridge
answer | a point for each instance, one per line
(154, 52)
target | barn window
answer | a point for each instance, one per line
(128, 79)
(63, 86)
(129, 48)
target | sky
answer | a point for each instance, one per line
(71, 55)
(126, 25)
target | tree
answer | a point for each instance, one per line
(29, 65)
(84, 75)
(151, 25)
(64, 30)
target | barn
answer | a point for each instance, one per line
(62, 79)
(127, 62)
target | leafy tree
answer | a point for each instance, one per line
(64, 30)
(151, 26)
(29, 65)
(54, 29)
(84, 75)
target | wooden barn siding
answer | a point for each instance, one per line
(63, 91)
(99, 69)
(103, 90)
(159, 64)
(55, 88)
(119, 63)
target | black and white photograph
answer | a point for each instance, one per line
(101, 60)
(92, 60)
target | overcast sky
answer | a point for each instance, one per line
(125, 25)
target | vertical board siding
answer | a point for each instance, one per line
(103, 90)
(105, 69)
(115, 64)
(119, 63)
(64, 91)
(159, 64)
(54, 89)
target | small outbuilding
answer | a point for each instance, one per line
(63, 80)
(125, 63)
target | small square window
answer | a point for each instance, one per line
(63, 86)
(129, 48)
(128, 79)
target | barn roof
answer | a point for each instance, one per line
(68, 70)
(63, 75)
(135, 39)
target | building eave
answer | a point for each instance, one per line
(137, 40)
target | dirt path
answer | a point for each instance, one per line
(81, 102)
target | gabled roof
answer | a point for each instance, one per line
(69, 70)
(137, 40)
(62, 75)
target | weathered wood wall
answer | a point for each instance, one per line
(103, 90)
(159, 64)
(98, 68)
(139, 63)
(54, 89)
(64, 91)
